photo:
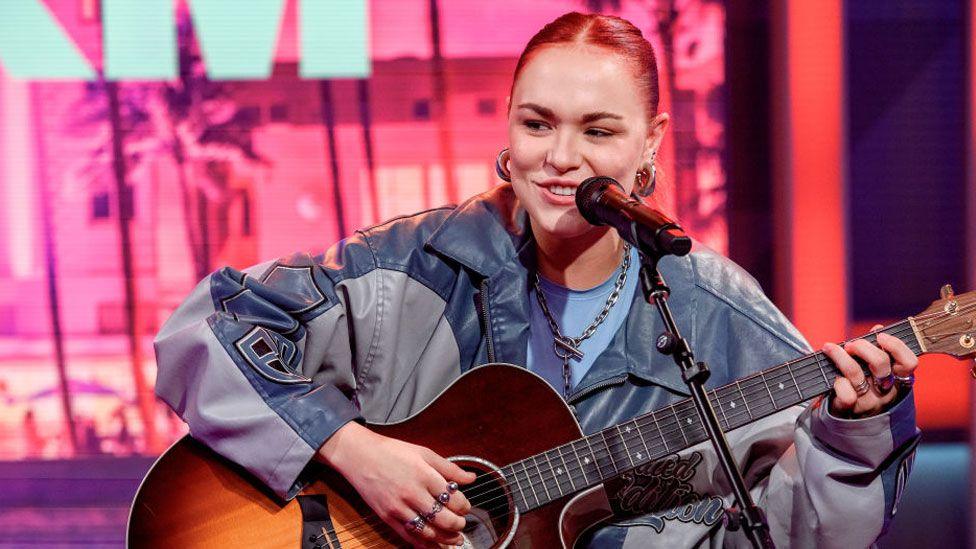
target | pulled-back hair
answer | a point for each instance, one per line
(613, 33)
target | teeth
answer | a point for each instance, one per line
(563, 191)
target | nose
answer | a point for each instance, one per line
(564, 154)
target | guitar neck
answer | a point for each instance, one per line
(573, 467)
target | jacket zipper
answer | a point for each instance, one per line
(486, 320)
(576, 397)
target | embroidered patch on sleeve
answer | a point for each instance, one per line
(272, 357)
(298, 285)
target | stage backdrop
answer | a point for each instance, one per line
(118, 196)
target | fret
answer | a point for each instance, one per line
(689, 426)
(596, 461)
(580, 461)
(658, 425)
(731, 404)
(566, 468)
(765, 383)
(722, 409)
(528, 479)
(609, 453)
(647, 451)
(554, 475)
(518, 485)
(678, 421)
(626, 448)
(789, 368)
(692, 420)
(745, 401)
(827, 383)
(535, 461)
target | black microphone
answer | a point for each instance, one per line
(602, 201)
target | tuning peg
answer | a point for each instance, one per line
(946, 292)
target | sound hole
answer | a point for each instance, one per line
(493, 517)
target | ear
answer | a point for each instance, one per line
(655, 133)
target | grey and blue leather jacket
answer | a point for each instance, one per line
(265, 364)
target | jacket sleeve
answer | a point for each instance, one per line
(262, 364)
(822, 481)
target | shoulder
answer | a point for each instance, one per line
(723, 283)
(405, 231)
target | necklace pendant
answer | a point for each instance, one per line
(565, 349)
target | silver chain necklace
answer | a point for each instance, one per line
(568, 347)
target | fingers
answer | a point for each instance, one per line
(905, 360)
(448, 469)
(878, 361)
(889, 356)
(430, 534)
(845, 397)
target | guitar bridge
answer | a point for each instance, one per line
(317, 529)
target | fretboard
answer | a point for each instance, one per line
(573, 467)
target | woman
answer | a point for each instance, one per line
(273, 366)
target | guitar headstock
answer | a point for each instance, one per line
(949, 325)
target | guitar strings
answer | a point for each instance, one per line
(811, 375)
(685, 407)
(623, 439)
(736, 415)
(505, 506)
(367, 524)
(762, 374)
(540, 479)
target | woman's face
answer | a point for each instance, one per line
(576, 112)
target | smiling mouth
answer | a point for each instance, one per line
(562, 191)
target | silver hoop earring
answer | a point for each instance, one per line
(501, 166)
(646, 181)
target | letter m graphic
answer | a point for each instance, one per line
(237, 39)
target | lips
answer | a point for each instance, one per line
(559, 192)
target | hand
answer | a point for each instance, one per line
(400, 481)
(846, 402)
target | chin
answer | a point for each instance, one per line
(566, 225)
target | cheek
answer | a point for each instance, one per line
(621, 165)
(526, 154)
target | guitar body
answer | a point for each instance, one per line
(492, 416)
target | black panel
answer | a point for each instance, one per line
(906, 153)
(748, 144)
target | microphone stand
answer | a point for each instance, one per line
(656, 292)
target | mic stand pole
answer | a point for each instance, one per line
(670, 342)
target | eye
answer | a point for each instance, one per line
(597, 132)
(536, 125)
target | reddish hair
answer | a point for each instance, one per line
(607, 31)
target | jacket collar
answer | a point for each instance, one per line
(490, 235)
(485, 233)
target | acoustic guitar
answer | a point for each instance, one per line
(536, 486)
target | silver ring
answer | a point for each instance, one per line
(885, 383)
(444, 497)
(905, 381)
(417, 524)
(863, 387)
(452, 487)
(429, 517)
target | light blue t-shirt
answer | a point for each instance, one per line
(574, 311)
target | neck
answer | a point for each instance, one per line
(580, 262)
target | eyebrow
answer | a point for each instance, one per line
(586, 119)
